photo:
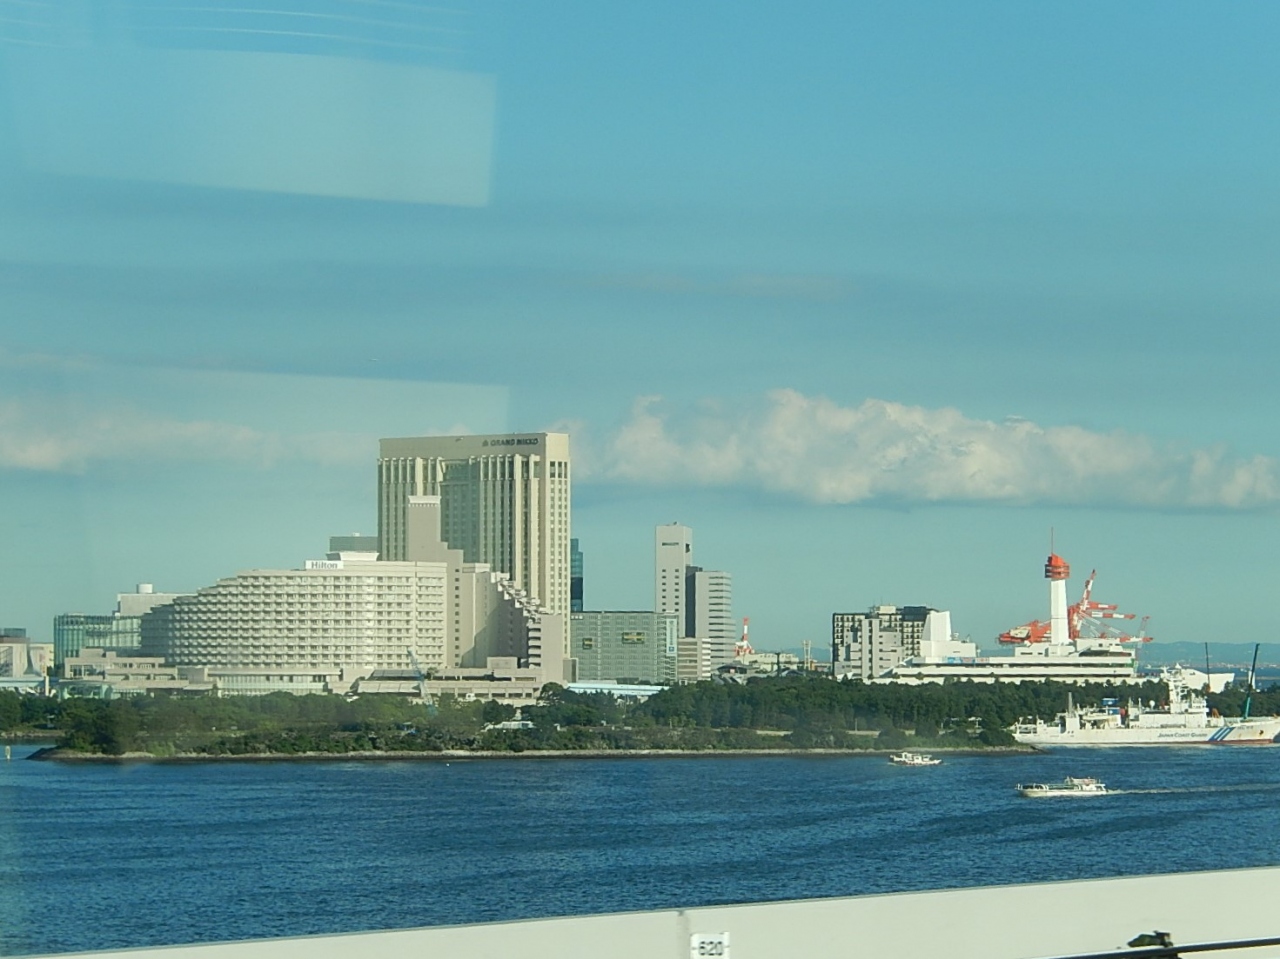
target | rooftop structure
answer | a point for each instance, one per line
(353, 543)
(502, 678)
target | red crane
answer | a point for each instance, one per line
(1084, 620)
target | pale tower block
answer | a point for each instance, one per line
(673, 551)
(504, 501)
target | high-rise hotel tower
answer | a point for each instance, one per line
(504, 501)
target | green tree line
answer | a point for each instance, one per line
(801, 712)
(818, 703)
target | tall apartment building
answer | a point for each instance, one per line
(700, 599)
(868, 645)
(505, 502)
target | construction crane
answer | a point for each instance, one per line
(1085, 619)
(422, 683)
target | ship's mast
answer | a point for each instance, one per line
(1253, 671)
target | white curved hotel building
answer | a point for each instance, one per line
(353, 614)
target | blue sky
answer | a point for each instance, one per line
(871, 295)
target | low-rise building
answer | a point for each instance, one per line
(633, 691)
(120, 630)
(867, 645)
(502, 678)
(24, 665)
(693, 660)
(107, 673)
(633, 646)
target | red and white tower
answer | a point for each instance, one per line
(1057, 572)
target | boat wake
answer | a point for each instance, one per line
(1245, 787)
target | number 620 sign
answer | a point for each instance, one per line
(709, 945)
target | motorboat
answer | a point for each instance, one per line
(914, 759)
(1071, 786)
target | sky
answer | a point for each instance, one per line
(873, 296)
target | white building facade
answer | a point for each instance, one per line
(323, 627)
(351, 613)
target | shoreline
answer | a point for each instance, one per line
(454, 755)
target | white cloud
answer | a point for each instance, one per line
(53, 436)
(815, 449)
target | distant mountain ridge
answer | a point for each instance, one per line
(1220, 654)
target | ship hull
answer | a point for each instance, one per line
(1261, 732)
(1252, 733)
(1120, 737)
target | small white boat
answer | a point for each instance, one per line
(1071, 786)
(914, 759)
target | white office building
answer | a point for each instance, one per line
(700, 599)
(709, 593)
(504, 501)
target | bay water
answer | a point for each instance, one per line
(109, 856)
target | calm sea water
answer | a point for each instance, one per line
(96, 857)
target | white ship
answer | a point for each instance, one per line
(1071, 786)
(914, 759)
(1186, 720)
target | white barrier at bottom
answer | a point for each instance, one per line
(994, 922)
